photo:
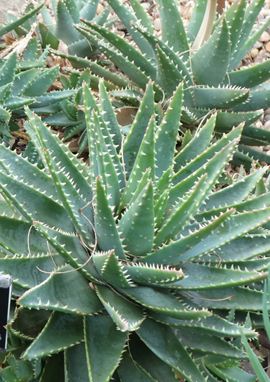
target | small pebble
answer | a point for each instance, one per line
(265, 37)
(157, 24)
(267, 125)
(254, 52)
(267, 47)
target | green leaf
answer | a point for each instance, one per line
(89, 9)
(213, 325)
(227, 120)
(8, 69)
(196, 19)
(65, 290)
(237, 298)
(142, 15)
(235, 193)
(138, 128)
(167, 133)
(255, 363)
(130, 371)
(150, 275)
(10, 162)
(136, 226)
(111, 269)
(33, 205)
(196, 340)
(213, 167)
(259, 99)
(102, 342)
(47, 37)
(128, 19)
(127, 50)
(108, 115)
(13, 237)
(251, 76)
(168, 75)
(246, 45)
(13, 25)
(69, 175)
(126, 316)
(175, 61)
(105, 226)
(104, 162)
(251, 14)
(60, 332)
(218, 98)
(153, 365)
(199, 142)
(266, 295)
(41, 83)
(183, 212)
(145, 160)
(165, 345)
(75, 364)
(231, 374)
(172, 28)
(28, 270)
(127, 67)
(235, 16)
(53, 369)
(234, 227)
(206, 277)
(214, 54)
(165, 303)
(64, 24)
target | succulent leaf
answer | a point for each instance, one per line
(60, 332)
(99, 335)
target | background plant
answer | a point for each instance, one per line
(206, 57)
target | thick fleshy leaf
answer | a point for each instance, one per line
(126, 316)
(136, 226)
(75, 364)
(163, 342)
(102, 342)
(214, 54)
(60, 332)
(172, 28)
(105, 226)
(138, 128)
(64, 290)
(167, 133)
(164, 303)
(111, 269)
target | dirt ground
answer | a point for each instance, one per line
(10, 6)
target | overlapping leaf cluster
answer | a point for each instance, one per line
(129, 268)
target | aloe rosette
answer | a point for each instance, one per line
(138, 265)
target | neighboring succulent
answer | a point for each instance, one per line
(205, 57)
(56, 24)
(68, 115)
(25, 79)
(134, 267)
(16, 23)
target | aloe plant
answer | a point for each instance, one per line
(56, 24)
(128, 268)
(205, 56)
(25, 79)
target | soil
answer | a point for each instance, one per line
(10, 6)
